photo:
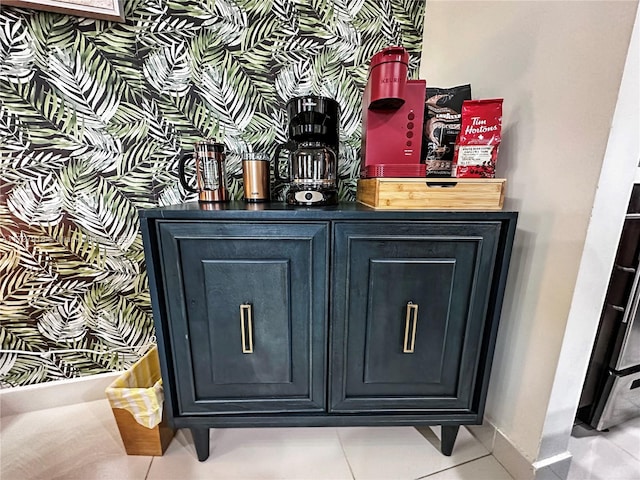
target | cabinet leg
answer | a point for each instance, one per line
(201, 441)
(449, 434)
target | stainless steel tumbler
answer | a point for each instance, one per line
(256, 177)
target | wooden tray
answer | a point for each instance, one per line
(432, 193)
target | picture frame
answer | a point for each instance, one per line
(102, 9)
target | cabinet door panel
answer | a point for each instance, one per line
(408, 317)
(253, 307)
(247, 308)
(403, 314)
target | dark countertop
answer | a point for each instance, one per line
(240, 210)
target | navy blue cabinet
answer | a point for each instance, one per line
(279, 316)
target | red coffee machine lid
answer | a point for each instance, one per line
(390, 54)
(387, 78)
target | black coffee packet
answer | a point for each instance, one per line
(441, 127)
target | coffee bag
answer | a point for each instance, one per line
(476, 149)
(441, 127)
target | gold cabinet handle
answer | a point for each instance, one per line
(246, 328)
(410, 327)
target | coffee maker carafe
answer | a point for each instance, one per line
(312, 163)
(211, 175)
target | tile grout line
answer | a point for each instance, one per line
(582, 466)
(453, 466)
(345, 454)
(620, 447)
(635, 454)
(146, 476)
(604, 436)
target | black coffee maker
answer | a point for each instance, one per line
(313, 141)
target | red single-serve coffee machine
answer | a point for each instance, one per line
(392, 118)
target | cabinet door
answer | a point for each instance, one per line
(409, 308)
(247, 315)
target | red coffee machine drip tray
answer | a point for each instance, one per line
(395, 170)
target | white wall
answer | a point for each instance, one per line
(619, 173)
(558, 66)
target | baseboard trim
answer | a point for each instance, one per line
(54, 394)
(553, 468)
(514, 461)
(485, 433)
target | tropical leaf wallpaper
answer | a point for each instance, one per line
(94, 117)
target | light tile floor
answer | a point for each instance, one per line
(612, 455)
(82, 441)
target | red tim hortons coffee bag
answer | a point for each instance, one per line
(476, 149)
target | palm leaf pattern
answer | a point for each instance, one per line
(94, 117)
